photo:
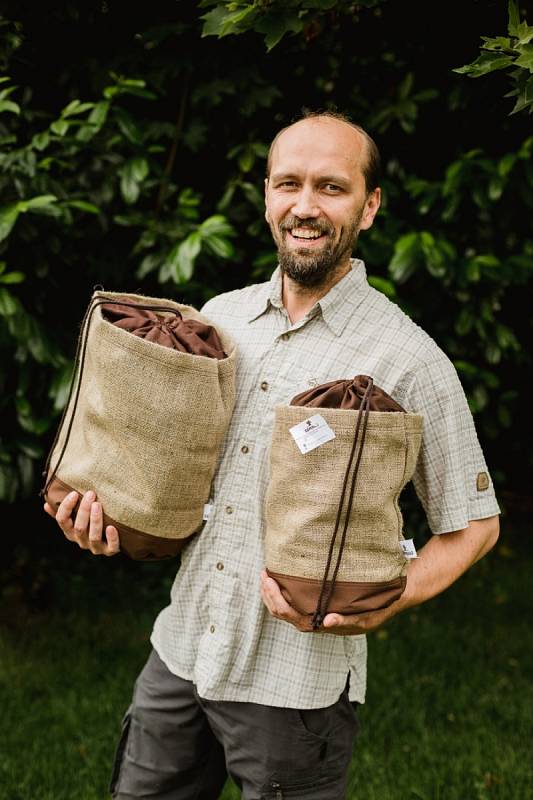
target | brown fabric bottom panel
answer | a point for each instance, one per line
(348, 598)
(137, 545)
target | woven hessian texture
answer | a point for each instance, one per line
(148, 426)
(304, 492)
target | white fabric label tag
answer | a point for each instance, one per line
(311, 433)
(408, 548)
(207, 510)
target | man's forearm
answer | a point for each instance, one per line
(445, 558)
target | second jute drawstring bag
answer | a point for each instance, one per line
(333, 522)
(151, 399)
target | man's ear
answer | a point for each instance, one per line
(266, 201)
(372, 204)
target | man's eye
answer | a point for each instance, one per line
(287, 184)
(332, 187)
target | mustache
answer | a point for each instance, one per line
(313, 224)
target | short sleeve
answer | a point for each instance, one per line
(451, 478)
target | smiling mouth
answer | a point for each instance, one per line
(306, 236)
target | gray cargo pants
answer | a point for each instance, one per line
(177, 746)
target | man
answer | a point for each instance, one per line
(239, 685)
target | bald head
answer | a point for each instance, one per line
(357, 145)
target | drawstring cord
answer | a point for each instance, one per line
(79, 363)
(324, 600)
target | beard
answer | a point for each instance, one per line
(308, 268)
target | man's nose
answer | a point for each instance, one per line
(305, 204)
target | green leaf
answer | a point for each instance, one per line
(182, 257)
(216, 225)
(247, 159)
(132, 174)
(139, 168)
(60, 126)
(405, 88)
(485, 63)
(218, 246)
(524, 33)
(5, 93)
(8, 217)
(82, 205)
(506, 164)
(221, 21)
(514, 17)
(9, 105)
(8, 304)
(12, 277)
(129, 188)
(525, 96)
(525, 59)
(94, 122)
(41, 201)
(128, 126)
(383, 285)
(150, 262)
(405, 258)
(41, 140)
(76, 107)
(60, 386)
(493, 353)
(497, 43)
(276, 25)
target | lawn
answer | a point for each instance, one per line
(449, 709)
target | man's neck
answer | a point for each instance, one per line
(298, 300)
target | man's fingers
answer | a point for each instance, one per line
(113, 542)
(278, 606)
(95, 527)
(49, 510)
(65, 510)
(82, 521)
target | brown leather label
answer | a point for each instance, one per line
(482, 482)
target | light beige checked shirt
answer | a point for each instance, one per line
(216, 631)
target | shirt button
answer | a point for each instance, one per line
(245, 448)
(229, 510)
(212, 629)
(264, 386)
(220, 566)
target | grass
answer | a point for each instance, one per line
(449, 708)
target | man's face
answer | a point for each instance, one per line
(316, 201)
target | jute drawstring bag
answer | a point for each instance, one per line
(151, 399)
(333, 522)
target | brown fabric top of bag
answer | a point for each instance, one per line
(185, 335)
(346, 394)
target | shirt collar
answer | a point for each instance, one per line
(336, 307)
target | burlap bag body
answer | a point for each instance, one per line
(147, 431)
(302, 503)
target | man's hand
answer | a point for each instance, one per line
(443, 559)
(86, 530)
(347, 625)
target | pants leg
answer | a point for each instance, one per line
(284, 754)
(167, 750)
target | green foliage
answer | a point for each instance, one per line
(142, 169)
(92, 160)
(514, 54)
(273, 18)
